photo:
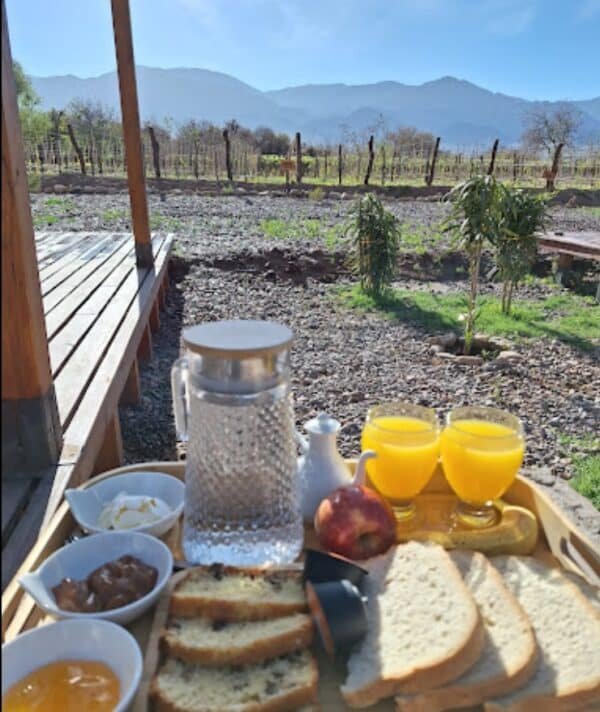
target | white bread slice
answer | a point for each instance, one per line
(567, 629)
(509, 657)
(214, 642)
(229, 593)
(275, 685)
(592, 593)
(424, 627)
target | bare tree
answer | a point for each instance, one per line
(546, 129)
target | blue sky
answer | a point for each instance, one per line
(537, 49)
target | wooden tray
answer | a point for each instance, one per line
(560, 543)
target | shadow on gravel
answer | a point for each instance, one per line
(148, 428)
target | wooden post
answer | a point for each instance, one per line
(490, 169)
(340, 164)
(431, 173)
(371, 159)
(155, 151)
(228, 155)
(131, 132)
(111, 452)
(131, 389)
(298, 157)
(553, 172)
(76, 148)
(31, 432)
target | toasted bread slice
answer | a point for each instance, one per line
(567, 629)
(424, 626)
(218, 642)
(277, 685)
(228, 593)
(509, 656)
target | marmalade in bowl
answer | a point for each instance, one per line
(65, 686)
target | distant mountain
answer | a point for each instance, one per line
(462, 113)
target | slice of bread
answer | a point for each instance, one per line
(275, 685)
(218, 642)
(567, 629)
(509, 657)
(592, 593)
(424, 626)
(228, 593)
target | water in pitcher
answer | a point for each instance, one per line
(242, 490)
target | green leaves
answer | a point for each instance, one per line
(375, 235)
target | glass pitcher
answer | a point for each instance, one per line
(233, 404)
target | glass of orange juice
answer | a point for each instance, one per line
(406, 440)
(482, 450)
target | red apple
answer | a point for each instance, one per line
(355, 522)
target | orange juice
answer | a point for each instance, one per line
(480, 458)
(407, 452)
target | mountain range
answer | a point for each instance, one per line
(463, 114)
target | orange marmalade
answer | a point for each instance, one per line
(66, 686)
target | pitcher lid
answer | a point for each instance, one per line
(238, 338)
(323, 424)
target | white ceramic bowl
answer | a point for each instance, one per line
(79, 559)
(96, 640)
(87, 504)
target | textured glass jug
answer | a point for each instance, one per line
(233, 404)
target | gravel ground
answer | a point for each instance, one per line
(343, 361)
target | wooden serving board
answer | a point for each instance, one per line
(560, 543)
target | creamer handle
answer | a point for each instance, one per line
(361, 467)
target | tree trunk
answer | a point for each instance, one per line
(431, 174)
(228, 156)
(195, 160)
(371, 160)
(76, 148)
(383, 166)
(515, 166)
(298, 157)
(41, 156)
(490, 170)
(474, 263)
(155, 151)
(551, 176)
(340, 164)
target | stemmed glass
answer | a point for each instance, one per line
(406, 440)
(482, 450)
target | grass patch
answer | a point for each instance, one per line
(165, 222)
(44, 220)
(310, 229)
(113, 214)
(418, 239)
(568, 317)
(585, 456)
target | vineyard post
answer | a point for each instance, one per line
(339, 164)
(325, 160)
(490, 170)
(40, 152)
(371, 159)
(228, 155)
(430, 176)
(76, 148)
(155, 151)
(551, 176)
(298, 157)
(383, 164)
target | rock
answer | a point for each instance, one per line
(571, 203)
(356, 397)
(509, 356)
(443, 357)
(89, 189)
(542, 475)
(436, 348)
(59, 188)
(447, 341)
(469, 360)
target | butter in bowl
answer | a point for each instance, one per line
(145, 502)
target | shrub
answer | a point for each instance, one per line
(476, 216)
(316, 193)
(375, 236)
(523, 215)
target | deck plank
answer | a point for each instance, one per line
(85, 240)
(83, 437)
(72, 380)
(14, 498)
(71, 264)
(584, 244)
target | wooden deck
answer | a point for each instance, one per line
(99, 310)
(584, 244)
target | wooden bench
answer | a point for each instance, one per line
(100, 310)
(570, 245)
